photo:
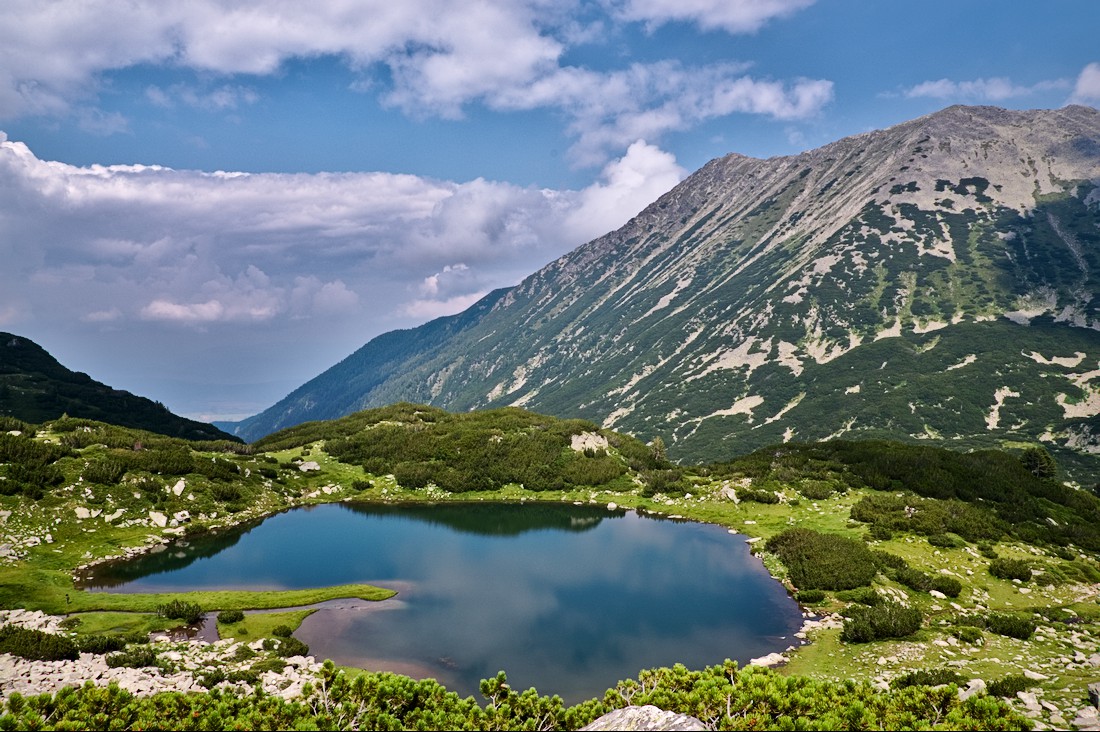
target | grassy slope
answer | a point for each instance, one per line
(44, 578)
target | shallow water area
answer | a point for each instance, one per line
(569, 599)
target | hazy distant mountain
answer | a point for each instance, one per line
(35, 388)
(936, 281)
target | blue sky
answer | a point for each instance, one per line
(210, 202)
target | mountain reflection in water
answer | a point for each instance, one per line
(569, 599)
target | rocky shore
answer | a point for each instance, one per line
(182, 666)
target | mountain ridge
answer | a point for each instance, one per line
(35, 387)
(709, 316)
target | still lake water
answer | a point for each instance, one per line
(569, 599)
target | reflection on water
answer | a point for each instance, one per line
(565, 598)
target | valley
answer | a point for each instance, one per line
(760, 496)
(871, 366)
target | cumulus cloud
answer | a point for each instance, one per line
(438, 58)
(1087, 88)
(610, 110)
(733, 16)
(627, 186)
(996, 89)
(134, 243)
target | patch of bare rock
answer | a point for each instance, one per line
(648, 717)
(184, 663)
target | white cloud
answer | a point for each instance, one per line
(997, 89)
(205, 312)
(117, 244)
(1087, 88)
(610, 110)
(221, 98)
(102, 316)
(441, 53)
(733, 16)
(628, 185)
(427, 308)
(439, 57)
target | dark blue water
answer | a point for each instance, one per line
(569, 599)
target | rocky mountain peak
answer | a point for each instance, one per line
(848, 289)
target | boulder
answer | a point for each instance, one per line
(179, 487)
(308, 466)
(975, 686)
(1094, 694)
(1086, 718)
(158, 519)
(648, 717)
(772, 659)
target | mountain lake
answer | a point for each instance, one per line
(569, 599)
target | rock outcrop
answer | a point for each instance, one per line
(647, 717)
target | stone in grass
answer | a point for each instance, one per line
(1094, 694)
(648, 717)
(1087, 718)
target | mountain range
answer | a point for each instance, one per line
(35, 388)
(935, 281)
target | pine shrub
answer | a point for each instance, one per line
(1009, 569)
(36, 645)
(927, 677)
(188, 612)
(887, 620)
(139, 657)
(229, 617)
(1007, 686)
(823, 561)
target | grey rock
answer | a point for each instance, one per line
(648, 717)
(1094, 694)
(1086, 718)
(975, 686)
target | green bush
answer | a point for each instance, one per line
(810, 597)
(1012, 626)
(815, 490)
(945, 541)
(269, 664)
(104, 472)
(361, 485)
(188, 612)
(212, 678)
(887, 620)
(282, 631)
(759, 496)
(100, 644)
(226, 492)
(229, 617)
(139, 657)
(36, 645)
(881, 532)
(1009, 569)
(914, 579)
(1008, 685)
(927, 677)
(292, 647)
(968, 634)
(947, 585)
(823, 561)
(669, 482)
